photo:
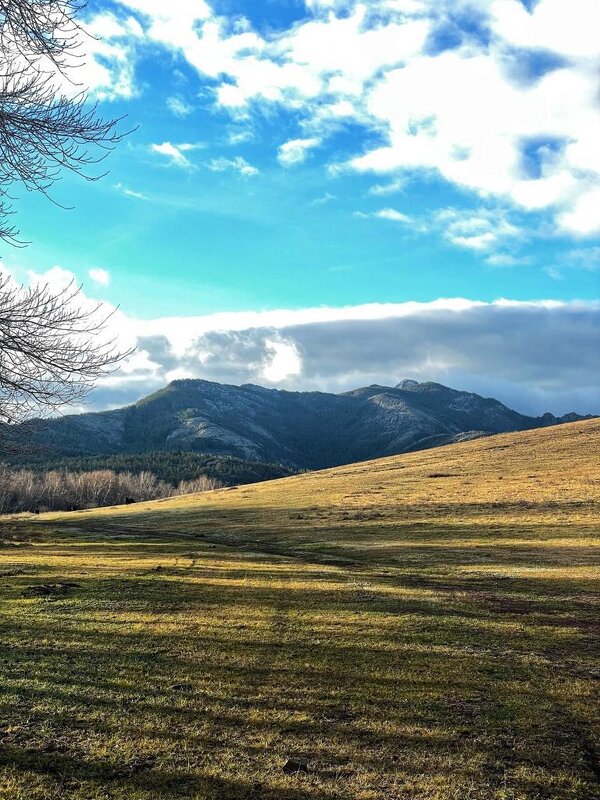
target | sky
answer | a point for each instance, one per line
(323, 194)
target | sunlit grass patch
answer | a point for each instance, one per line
(409, 642)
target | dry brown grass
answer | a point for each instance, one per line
(416, 627)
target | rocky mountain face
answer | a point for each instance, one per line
(303, 430)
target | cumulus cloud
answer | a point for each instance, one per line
(178, 106)
(579, 258)
(392, 187)
(99, 276)
(110, 44)
(175, 153)
(499, 98)
(283, 360)
(393, 215)
(480, 230)
(236, 164)
(506, 260)
(111, 325)
(583, 218)
(296, 151)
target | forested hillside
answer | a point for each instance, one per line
(171, 466)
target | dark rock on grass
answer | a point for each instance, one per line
(50, 589)
(294, 765)
(38, 591)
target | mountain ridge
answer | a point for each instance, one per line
(302, 430)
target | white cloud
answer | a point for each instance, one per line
(282, 361)
(323, 200)
(511, 117)
(236, 137)
(584, 216)
(505, 260)
(296, 151)
(587, 258)
(120, 187)
(178, 106)
(393, 215)
(480, 230)
(176, 153)
(379, 189)
(57, 279)
(237, 164)
(99, 276)
(113, 324)
(570, 29)
(553, 273)
(173, 153)
(110, 45)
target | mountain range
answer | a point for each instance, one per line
(301, 430)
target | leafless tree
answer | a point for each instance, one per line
(53, 347)
(23, 490)
(43, 130)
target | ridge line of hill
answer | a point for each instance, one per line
(297, 430)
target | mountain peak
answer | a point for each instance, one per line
(407, 383)
(303, 430)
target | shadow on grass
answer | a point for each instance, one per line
(72, 773)
(219, 663)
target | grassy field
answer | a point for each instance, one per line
(424, 626)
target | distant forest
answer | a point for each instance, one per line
(172, 467)
(23, 490)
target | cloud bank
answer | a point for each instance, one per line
(534, 356)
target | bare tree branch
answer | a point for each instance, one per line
(40, 28)
(52, 350)
(52, 343)
(42, 130)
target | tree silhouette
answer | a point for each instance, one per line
(53, 348)
(43, 129)
(51, 345)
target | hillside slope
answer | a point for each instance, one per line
(420, 627)
(509, 477)
(302, 430)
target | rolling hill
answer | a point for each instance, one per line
(301, 430)
(417, 627)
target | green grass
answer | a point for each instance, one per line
(410, 636)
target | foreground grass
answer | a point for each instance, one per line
(415, 627)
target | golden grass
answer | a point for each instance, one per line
(423, 626)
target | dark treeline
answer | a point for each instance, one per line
(26, 490)
(173, 467)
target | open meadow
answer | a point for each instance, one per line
(422, 627)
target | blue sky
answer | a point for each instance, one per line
(296, 155)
